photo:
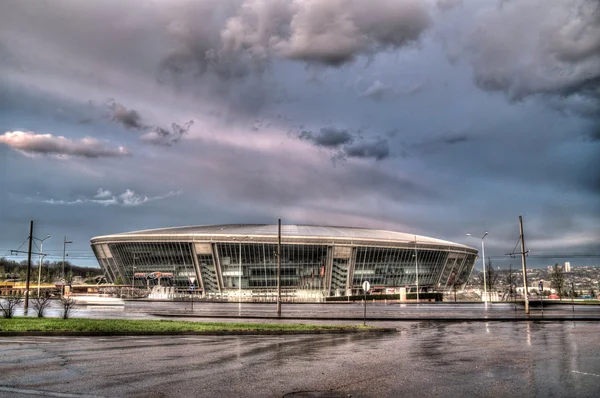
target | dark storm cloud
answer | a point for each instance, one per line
(47, 144)
(377, 148)
(346, 144)
(161, 136)
(328, 137)
(129, 118)
(536, 47)
(541, 49)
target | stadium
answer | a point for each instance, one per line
(239, 261)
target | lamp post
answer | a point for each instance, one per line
(65, 242)
(483, 263)
(41, 258)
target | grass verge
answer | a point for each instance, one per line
(23, 324)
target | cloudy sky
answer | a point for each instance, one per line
(433, 117)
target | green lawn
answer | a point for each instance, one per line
(23, 324)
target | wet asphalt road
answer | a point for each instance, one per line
(539, 359)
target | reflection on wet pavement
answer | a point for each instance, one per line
(422, 359)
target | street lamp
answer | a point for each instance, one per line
(483, 263)
(63, 262)
(41, 257)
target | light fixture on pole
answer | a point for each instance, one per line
(485, 298)
(65, 242)
(41, 258)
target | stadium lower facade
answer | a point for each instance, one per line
(235, 261)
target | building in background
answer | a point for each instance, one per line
(316, 261)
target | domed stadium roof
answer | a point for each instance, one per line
(294, 231)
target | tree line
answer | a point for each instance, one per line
(11, 270)
(509, 281)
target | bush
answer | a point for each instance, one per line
(67, 303)
(41, 303)
(8, 305)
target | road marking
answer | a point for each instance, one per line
(583, 373)
(45, 393)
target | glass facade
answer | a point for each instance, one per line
(255, 266)
(308, 270)
(152, 263)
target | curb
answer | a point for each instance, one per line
(208, 333)
(391, 319)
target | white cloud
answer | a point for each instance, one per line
(31, 143)
(106, 198)
(329, 32)
(102, 194)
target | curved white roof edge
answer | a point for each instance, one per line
(296, 231)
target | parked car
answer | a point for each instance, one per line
(553, 296)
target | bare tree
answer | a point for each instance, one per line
(8, 305)
(557, 280)
(456, 282)
(41, 303)
(510, 281)
(67, 303)
(491, 276)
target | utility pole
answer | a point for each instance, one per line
(279, 267)
(417, 269)
(133, 276)
(524, 262)
(240, 281)
(26, 305)
(63, 263)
